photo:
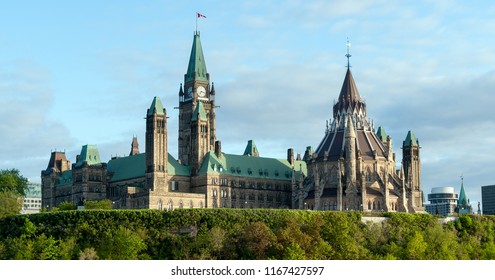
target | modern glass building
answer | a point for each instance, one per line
(488, 199)
(32, 200)
(443, 201)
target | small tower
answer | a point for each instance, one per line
(463, 203)
(156, 146)
(134, 147)
(251, 149)
(411, 164)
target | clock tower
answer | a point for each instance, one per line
(197, 127)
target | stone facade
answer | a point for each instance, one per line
(354, 166)
(352, 169)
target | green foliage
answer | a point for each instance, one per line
(242, 234)
(105, 204)
(121, 244)
(10, 204)
(12, 181)
(65, 206)
(12, 189)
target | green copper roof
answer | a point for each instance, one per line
(463, 200)
(130, 167)
(380, 133)
(64, 179)
(199, 112)
(410, 140)
(89, 154)
(250, 167)
(156, 104)
(174, 168)
(251, 149)
(197, 64)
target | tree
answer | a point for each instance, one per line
(12, 181)
(105, 204)
(12, 188)
(64, 206)
(10, 204)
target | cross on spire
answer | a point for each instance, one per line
(348, 55)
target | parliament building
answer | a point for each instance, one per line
(353, 168)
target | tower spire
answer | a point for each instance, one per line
(348, 55)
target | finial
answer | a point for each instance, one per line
(348, 55)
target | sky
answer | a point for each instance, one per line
(85, 72)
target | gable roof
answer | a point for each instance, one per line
(250, 167)
(134, 166)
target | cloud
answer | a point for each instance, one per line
(28, 134)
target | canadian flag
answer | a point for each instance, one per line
(200, 15)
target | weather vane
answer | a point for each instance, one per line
(348, 55)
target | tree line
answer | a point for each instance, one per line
(236, 234)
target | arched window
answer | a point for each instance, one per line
(181, 204)
(190, 204)
(368, 175)
(374, 205)
(170, 205)
(379, 206)
(369, 205)
(160, 205)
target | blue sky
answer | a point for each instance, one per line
(84, 72)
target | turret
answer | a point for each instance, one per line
(156, 145)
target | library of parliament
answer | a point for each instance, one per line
(352, 168)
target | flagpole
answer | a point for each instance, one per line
(196, 23)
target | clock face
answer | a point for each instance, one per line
(201, 91)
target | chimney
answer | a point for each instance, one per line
(290, 156)
(218, 149)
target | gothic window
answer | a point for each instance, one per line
(170, 205)
(368, 175)
(369, 205)
(214, 193)
(160, 205)
(379, 207)
(181, 204)
(374, 205)
(190, 204)
(200, 204)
